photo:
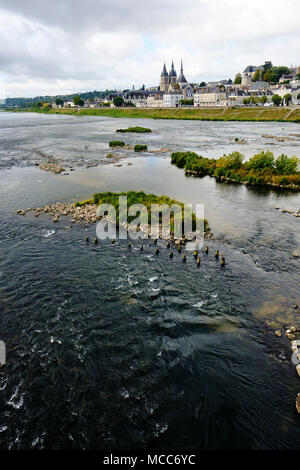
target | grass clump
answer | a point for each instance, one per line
(137, 129)
(140, 148)
(262, 168)
(116, 143)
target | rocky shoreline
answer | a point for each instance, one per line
(87, 214)
(293, 334)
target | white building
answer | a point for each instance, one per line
(212, 99)
(172, 99)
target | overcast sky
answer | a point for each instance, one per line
(63, 46)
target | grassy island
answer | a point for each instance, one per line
(255, 114)
(116, 143)
(139, 197)
(137, 130)
(140, 148)
(261, 169)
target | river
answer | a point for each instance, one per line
(108, 348)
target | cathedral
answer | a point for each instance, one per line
(169, 81)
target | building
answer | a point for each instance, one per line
(172, 99)
(258, 87)
(169, 81)
(212, 98)
(248, 74)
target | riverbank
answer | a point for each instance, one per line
(262, 169)
(279, 114)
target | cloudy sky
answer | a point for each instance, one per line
(62, 46)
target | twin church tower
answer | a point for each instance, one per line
(169, 81)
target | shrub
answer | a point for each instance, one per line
(116, 143)
(233, 161)
(180, 158)
(261, 160)
(287, 165)
(140, 148)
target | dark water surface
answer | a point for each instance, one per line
(108, 348)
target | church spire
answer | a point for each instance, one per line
(164, 72)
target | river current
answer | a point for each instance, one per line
(109, 348)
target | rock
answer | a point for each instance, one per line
(298, 403)
(288, 332)
(298, 369)
(296, 343)
(56, 218)
(291, 336)
(177, 242)
(278, 333)
(295, 349)
(284, 211)
(293, 329)
(296, 306)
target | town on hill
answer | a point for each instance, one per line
(263, 85)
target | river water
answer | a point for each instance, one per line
(113, 349)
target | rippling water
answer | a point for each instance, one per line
(109, 348)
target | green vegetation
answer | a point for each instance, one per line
(137, 129)
(261, 169)
(140, 148)
(116, 143)
(273, 74)
(281, 114)
(118, 101)
(238, 79)
(277, 100)
(255, 99)
(78, 101)
(187, 102)
(139, 197)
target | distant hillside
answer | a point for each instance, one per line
(27, 102)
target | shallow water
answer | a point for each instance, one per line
(108, 348)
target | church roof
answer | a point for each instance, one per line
(181, 78)
(164, 72)
(172, 71)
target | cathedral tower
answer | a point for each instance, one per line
(164, 80)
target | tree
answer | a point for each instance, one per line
(78, 101)
(118, 101)
(275, 73)
(261, 160)
(59, 102)
(257, 75)
(298, 96)
(267, 65)
(238, 79)
(276, 100)
(263, 99)
(202, 84)
(297, 76)
(287, 98)
(287, 165)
